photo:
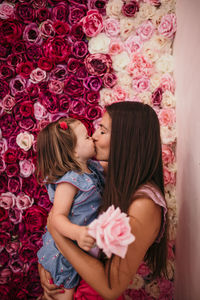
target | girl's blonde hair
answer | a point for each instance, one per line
(55, 151)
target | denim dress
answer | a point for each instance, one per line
(83, 211)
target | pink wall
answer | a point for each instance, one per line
(187, 75)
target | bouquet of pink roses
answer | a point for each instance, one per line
(112, 232)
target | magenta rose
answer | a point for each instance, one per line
(92, 97)
(29, 185)
(93, 112)
(80, 49)
(156, 97)
(27, 253)
(130, 8)
(15, 264)
(98, 63)
(64, 102)
(10, 156)
(93, 83)
(4, 274)
(35, 239)
(77, 107)
(42, 14)
(4, 238)
(23, 109)
(34, 52)
(14, 59)
(19, 47)
(2, 164)
(92, 23)
(61, 28)
(8, 125)
(3, 213)
(14, 184)
(45, 64)
(3, 185)
(5, 50)
(50, 102)
(35, 218)
(59, 73)
(43, 199)
(73, 65)
(60, 12)
(12, 247)
(6, 72)
(82, 72)
(25, 12)
(76, 13)
(12, 170)
(17, 84)
(57, 49)
(15, 215)
(27, 124)
(99, 5)
(109, 80)
(77, 32)
(7, 103)
(24, 69)
(5, 291)
(10, 30)
(4, 88)
(73, 86)
(32, 34)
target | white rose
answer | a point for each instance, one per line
(150, 52)
(162, 44)
(168, 135)
(165, 63)
(146, 11)
(106, 97)
(127, 27)
(145, 97)
(99, 44)
(155, 81)
(25, 140)
(168, 100)
(156, 19)
(137, 282)
(124, 79)
(120, 61)
(113, 8)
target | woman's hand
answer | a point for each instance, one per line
(50, 289)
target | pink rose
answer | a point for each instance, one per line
(92, 23)
(133, 44)
(169, 177)
(56, 86)
(38, 75)
(112, 232)
(119, 93)
(47, 29)
(27, 168)
(25, 68)
(3, 145)
(141, 84)
(23, 201)
(109, 80)
(111, 27)
(98, 63)
(7, 200)
(146, 30)
(40, 112)
(140, 66)
(167, 83)
(168, 26)
(5, 275)
(25, 140)
(17, 84)
(15, 215)
(167, 154)
(167, 117)
(6, 10)
(2, 164)
(12, 247)
(8, 102)
(116, 47)
(143, 270)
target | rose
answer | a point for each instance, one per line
(165, 63)
(3, 184)
(76, 13)
(25, 12)
(12, 247)
(12, 170)
(43, 199)
(156, 3)
(93, 112)
(61, 28)
(47, 29)
(10, 30)
(35, 218)
(27, 124)
(77, 107)
(3, 214)
(113, 8)
(42, 14)
(92, 23)
(77, 32)
(25, 140)
(168, 135)
(169, 177)
(50, 101)
(157, 97)
(98, 64)
(27, 168)
(14, 59)
(56, 86)
(106, 97)
(93, 83)
(40, 112)
(146, 30)
(15, 264)
(10, 156)
(73, 86)
(141, 84)
(5, 50)
(166, 288)
(80, 49)
(4, 89)
(152, 288)
(140, 66)
(137, 282)
(34, 52)
(4, 238)
(167, 117)
(32, 34)
(59, 72)
(127, 26)
(119, 93)
(121, 61)
(115, 47)
(2, 164)
(4, 274)
(112, 232)
(7, 200)
(17, 84)
(60, 12)
(133, 44)
(99, 44)
(144, 270)
(8, 125)
(92, 97)
(167, 83)
(6, 72)
(29, 185)
(111, 27)
(109, 80)
(64, 101)
(19, 47)
(73, 64)
(37, 75)
(5, 291)
(168, 100)
(3, 145)
(14, 184)
(15, 215)
(34, 239)
(129, 9)
(57, 49)
(99, 5)
(27, 253)
(45, 64)
(168, 26)
(6, 10)
(7, 103)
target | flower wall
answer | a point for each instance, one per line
(71, 58)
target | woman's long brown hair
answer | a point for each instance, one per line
(135, 159)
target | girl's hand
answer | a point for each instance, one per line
(50, 289)
(84, 240)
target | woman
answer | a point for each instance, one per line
(129, 139)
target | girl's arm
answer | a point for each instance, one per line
(145, 223)
(64, 196)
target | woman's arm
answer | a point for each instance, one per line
(145, 224)
(63, 199)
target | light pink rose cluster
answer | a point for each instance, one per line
(167, 83)
(169, 177)
(167, 154)
(27, 168)
(140, 66)
(6, 10)
(7, 200)
(92, 23)
(141, 84)
(146, 30)
(167, 117)
(168, 26)
(111, 27)
(112, 232)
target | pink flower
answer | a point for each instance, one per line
(111, 27)
(167, 83)
(112, 232)
(141, 84)
(56, 86)
(92, 23)
(40, 112)
(3, 145)
(25, 140)
(146, 30)
(133, 44)
(140, 66)
(169, 177)
(6, 10)
(7, 200)
(156, 3)
(167, 117)
(23, 201)
(167, 154)
(27, 168)
(168, 26)
(119, 93)
(37, 75)
(8, 102)
(115, 47)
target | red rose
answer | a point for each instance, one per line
(3, 213)
(82, 73)
(6, 72)
(4, 238)
(60, 12)
(92, 97)
(11, 30)
(35, 218)
(77, 107)
(27, 124)
(50, 102)
(98, 64)
(80, 49)
(29, 186)
(64, 101)
(10, 156)
(25, 69)
(12, 170)
(76, 13)
(14, 184)
(57, 49)
(129, 9)
(5, 50)
(8, 125)
(34, 52)
(73, 86)
(14, 59)
(61, 28)
(4, 258)
(19, 47)
(27, 253)
(77, 32)
(25, 12)
(73, 64)
(3, 186)
(93, 112)
(4, 88)
(157, 97)
(42, 14)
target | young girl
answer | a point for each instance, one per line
(74, 184)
